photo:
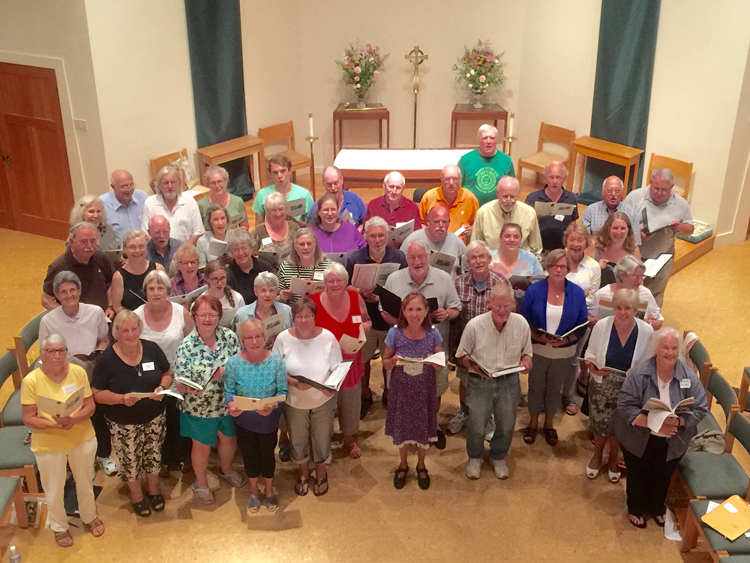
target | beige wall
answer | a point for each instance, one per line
(54, 34)
(701, 59)
(142, 67)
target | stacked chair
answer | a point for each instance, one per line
(11, 495)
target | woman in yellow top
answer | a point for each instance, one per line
(58, 441)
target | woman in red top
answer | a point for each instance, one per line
(343, 312)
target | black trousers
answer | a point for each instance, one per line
(648, 477)
(257, 452)
(103, 439)
(176, 448)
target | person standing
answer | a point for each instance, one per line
(552, 227)
(482, 168)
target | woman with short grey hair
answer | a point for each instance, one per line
(244, 268)
(217, 180)
(629, 275)
(266, 287)
(306, 261)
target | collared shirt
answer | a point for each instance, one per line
(491, 218)
(437, 284)
(462, 211)
(296, 192)
(588, 278)
(404, 213)
(362, 256)
(81, 332)
(244, 283)
(124, 218)
(480, 174)
(474, 300)
(552, 228)
(184, 218)
(164, 259)
(596, 214)
(452, 245)
(194, 361)
(352, 203)
(95, 276)
(674, 209)
(492, 349)
(178, 284)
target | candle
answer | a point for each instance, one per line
(511, 121)
(309, 115)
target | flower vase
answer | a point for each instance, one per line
(361, 98)
(478, 95)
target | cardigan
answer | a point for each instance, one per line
(599, 342)
(534, 308)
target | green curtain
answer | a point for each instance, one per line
(622, 89)
(215, 44)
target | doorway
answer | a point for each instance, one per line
(36, 192)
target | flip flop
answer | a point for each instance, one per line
(95, 525)
(302, 486)
(320, 483)
(641, 524)
(354, 450)
(64, 539)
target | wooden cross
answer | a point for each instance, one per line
(416, 57)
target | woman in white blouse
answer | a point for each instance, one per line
(629, 275)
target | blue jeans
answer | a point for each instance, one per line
(486, 397)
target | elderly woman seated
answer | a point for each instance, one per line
(217, 226)
(186, 262)
(652, 449)
(275, 234)
(217, 179)
(90, 209)
(629, 275)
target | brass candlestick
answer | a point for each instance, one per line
(312, 140)
(508, 144)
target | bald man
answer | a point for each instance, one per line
(161, 247)
(124, 204)
(597, 213)
(392, 205)
(333, 182)
(484, 166)
(438, 238)
(462, 205)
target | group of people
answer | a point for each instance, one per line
(167, 381)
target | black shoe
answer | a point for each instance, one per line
(384, 398)
(423, 478)
(376, 355)
(366, 404)
(399, 477)
(441, 441)
(284, 451)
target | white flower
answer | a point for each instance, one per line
(359, 86)
(472, 71)
(468, 75)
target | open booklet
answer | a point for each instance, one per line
(499, 373)
(61, 409)
(171, 392)
(443, 261)
(545, 208)
(413, 366)
(332, 381)
(653, 266)
(198, 383)
(391, 303)
(366, 276)
(651, 226)
(296, 207)
(274, 324)
(346, 216)
(305, 287)
(275, 258)
(250, 404)
(235, 220)
(398, 234)
(351, 345)
(659, 411)
(598, 378)
(562, 336)
(216, 248)
(188, 298)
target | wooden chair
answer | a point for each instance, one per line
(17, 459)
(682, 171)
(539, 160)
(285, 132)
(11, 495)
(11, 411)
(161, 161)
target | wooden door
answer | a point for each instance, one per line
(36, 193)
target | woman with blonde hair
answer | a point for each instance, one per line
(90, 209)
(306, 261)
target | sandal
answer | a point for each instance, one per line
(319, 484)
(550, 435)
(399, 477)
(232, 477)
(156, 501)
(271, 503)
(141, 508)
(302, 486)
(64, 539)
(185, 466)
(659, 520)
(354, 450)
(96, 527)
(204, 496)
(639, 522)
(571, 408)
(529, 435)
(164, 471)
(253, 504)
(423, 478)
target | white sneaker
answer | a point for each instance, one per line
(457, 422)
(473, 468)
(501, 468)
(489, 430)
(109, 465)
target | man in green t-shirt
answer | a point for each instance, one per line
(483, 167)
(280, 168)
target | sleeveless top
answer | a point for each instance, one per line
(133, 284)
(168, 339)
(324, 320)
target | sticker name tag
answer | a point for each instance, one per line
(318, 276)
(356, 319)
(684, 384)
(559, 217)
(148, 366)
(267, 240)
(69, 388)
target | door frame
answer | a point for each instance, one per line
(66, 109)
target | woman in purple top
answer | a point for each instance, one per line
(333, 233)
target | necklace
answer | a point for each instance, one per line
(662, 384)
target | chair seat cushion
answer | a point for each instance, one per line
(718, 542)
(541, 159)
(12, 410)
(7, 488)
(708, 423)
(713, 476)
(735, 559)
(14, 453)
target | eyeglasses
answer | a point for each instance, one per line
(56, 352)
(221, 279)
(558, 267)
(189, 263)
(205, 316)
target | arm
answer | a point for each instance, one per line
(259, 219)
(630, 400)
(31, 418)
(366, 321)
(117, 289)
(188, 322)
(193, 239)
(49, 302)
(389, 358)
(105, 397)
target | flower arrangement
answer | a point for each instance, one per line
(362, 65)
(480, 68)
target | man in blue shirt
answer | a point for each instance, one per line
(552, 227)
(124, 204)
(333, 182)
(161, 247)
(597, 213)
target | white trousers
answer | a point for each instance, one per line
(52, 471)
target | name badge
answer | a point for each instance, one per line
(267, 240)
(684, 384)
(559, 217)
(148, 366)
(318, 276)
(356, 319)
(69, 388)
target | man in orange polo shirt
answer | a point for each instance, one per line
(460, 202)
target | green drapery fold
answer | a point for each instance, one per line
(622, 89)
(215, 44)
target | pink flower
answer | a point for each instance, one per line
(505, 76)
(480, 47)
(482, 78)
(368, 46)
(490, 59)
(356, 79)
(376, 73)
(377, 48)
(357, 69)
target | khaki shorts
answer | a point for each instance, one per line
(375, 341)
(441, 380)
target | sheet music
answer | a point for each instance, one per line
(300, 286)
(295, 207)
(443, 261)
(61, 408)
(216, 248)
(545, 208)
(188, 298)
(654, 265)
(399, 233)
(274, 324)
(250, 404)
(235, 220)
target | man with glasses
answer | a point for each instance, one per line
(161, 248)
(462, 205)
(597, 213)
(438, 238)
(90, 265)
(666, 214)
(392, 205)
(349, 202)
(124, 204)
(552, 227)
